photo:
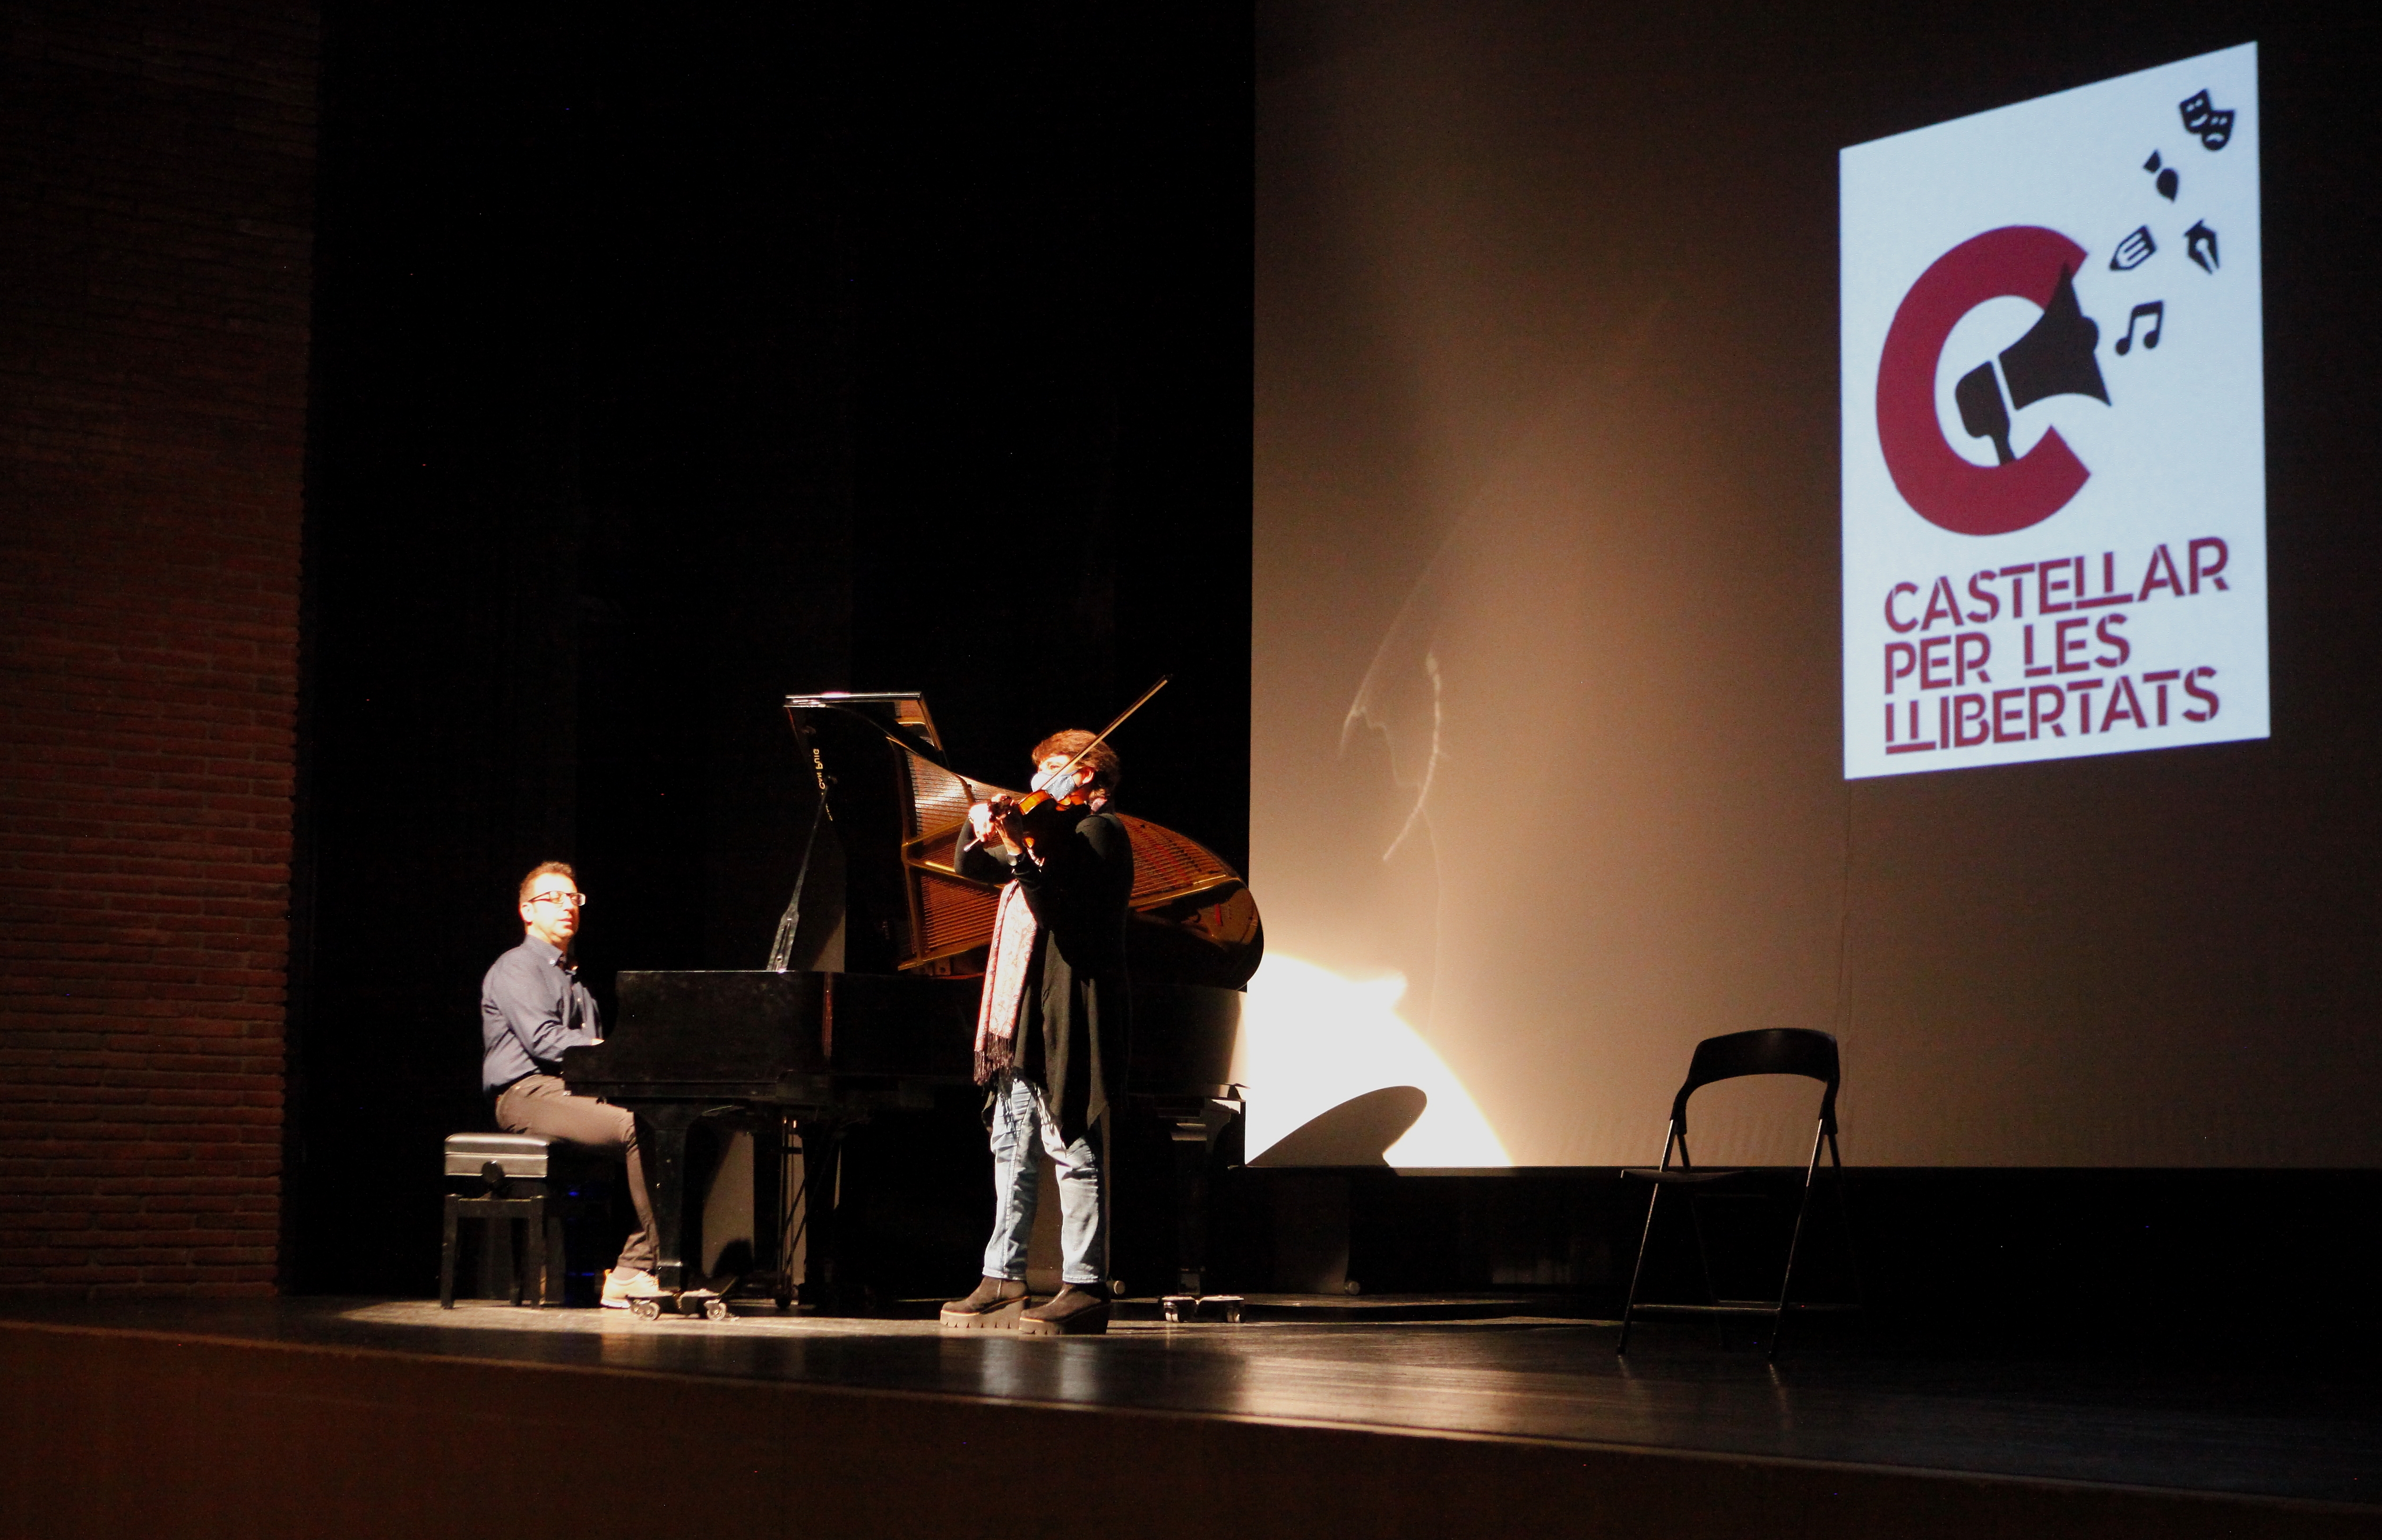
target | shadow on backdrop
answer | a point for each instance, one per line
(1358, 1132)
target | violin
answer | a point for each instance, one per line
(1024, 821)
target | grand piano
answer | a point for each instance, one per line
(867, 1001)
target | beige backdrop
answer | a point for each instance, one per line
(1546, 741)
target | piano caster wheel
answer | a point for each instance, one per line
(1179, 1308)
(1232, 1312)
(717, 1309)
(645, 1310)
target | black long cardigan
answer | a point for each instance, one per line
(1075, 1028)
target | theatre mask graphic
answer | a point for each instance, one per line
(2054, 437)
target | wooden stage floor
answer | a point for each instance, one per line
(2183, 1448)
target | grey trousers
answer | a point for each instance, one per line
(539, 1104)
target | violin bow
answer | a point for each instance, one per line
(1102, 736)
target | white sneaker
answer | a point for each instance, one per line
(622, 1284)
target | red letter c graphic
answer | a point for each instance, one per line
(1947, 491)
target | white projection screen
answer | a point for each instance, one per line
(1572, 620)
(1994, 428)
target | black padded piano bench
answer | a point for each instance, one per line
(529, 1181)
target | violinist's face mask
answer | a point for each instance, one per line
(1051, 778)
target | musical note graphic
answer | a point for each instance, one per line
(2157, 311)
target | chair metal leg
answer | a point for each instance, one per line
(1787, 1284)
(447, 1259)
(1629, 1306)
(1795, 1242)
(1844, 1218)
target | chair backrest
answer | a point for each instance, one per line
(1766, 1051)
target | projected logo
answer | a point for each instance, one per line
(2054, 434)
(2052, 359)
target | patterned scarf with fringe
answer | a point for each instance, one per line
(1011, 958)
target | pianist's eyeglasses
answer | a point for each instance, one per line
(571, 900)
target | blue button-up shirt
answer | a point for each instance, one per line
(531, 1008)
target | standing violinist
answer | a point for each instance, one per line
(1051, 1027)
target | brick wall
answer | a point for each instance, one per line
(156, 174)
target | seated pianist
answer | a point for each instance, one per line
(531, 1008)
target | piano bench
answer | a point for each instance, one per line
(501, 1181)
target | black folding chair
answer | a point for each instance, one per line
(1774, 1051)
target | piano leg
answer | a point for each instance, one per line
(1205, 1136)
(1190, 1141)
(770, 1209)
(676, 1228)
(822, 1153)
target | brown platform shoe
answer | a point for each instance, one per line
(1078, 1309)
(995, 1306)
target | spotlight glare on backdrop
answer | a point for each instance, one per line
(1312, 1041)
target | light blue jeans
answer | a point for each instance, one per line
(1021, 1129)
